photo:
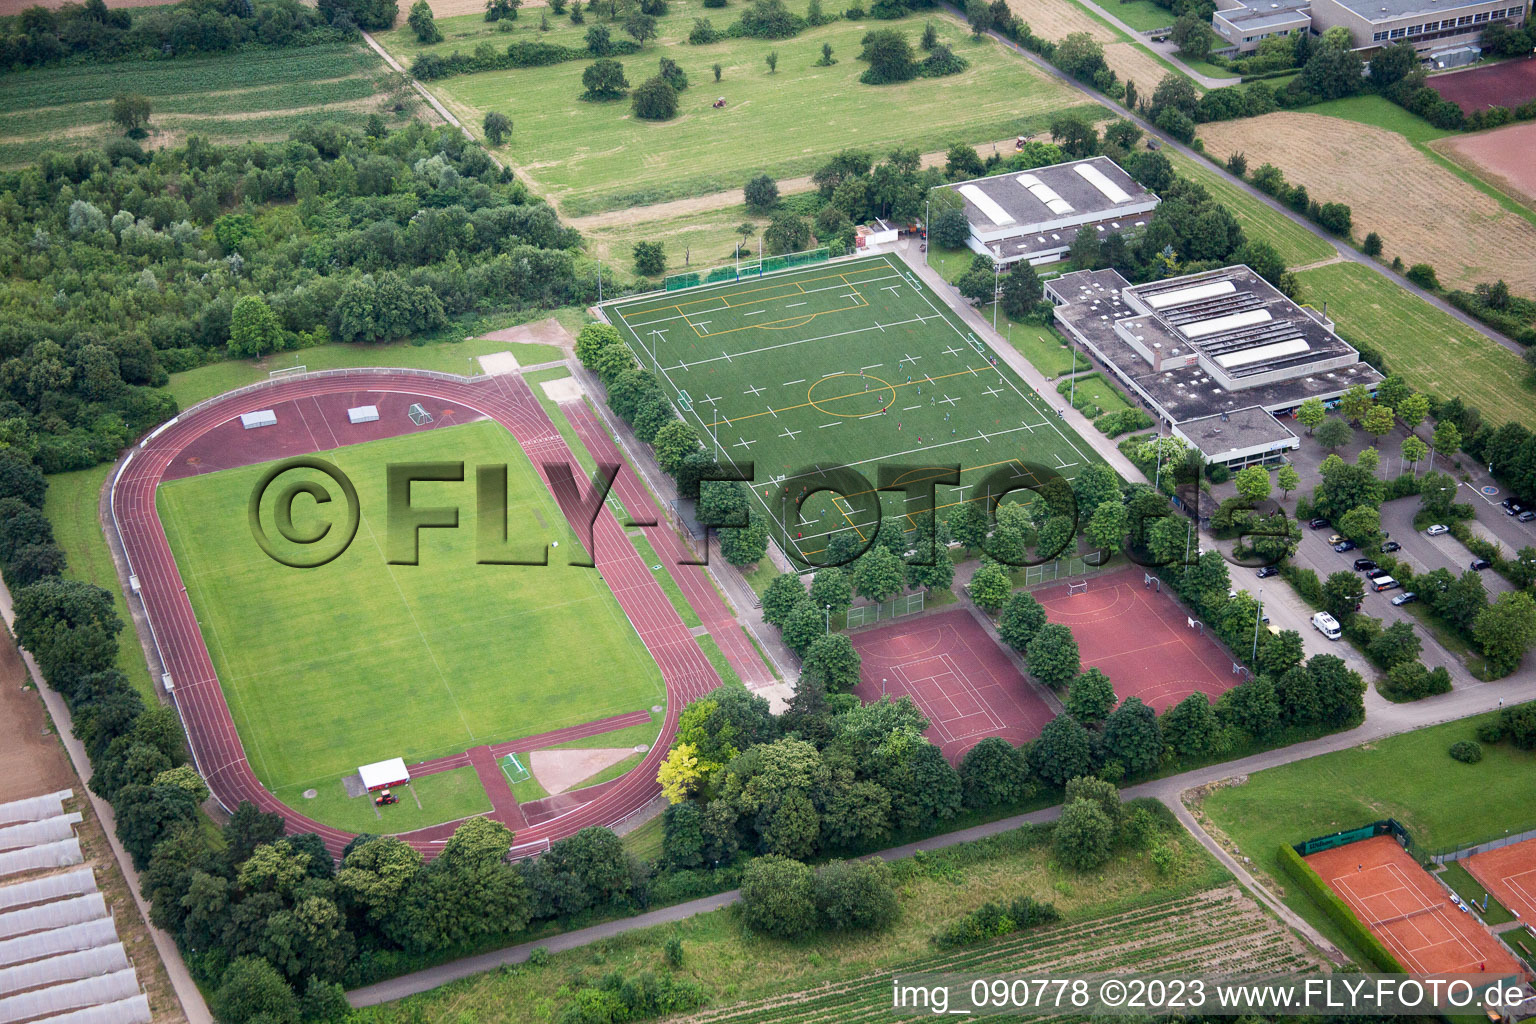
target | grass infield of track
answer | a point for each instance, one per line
(357, 661)
(852, 364)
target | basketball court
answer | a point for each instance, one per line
(1510, 874)
(952, 669)
(1408, 910)
(1141, 638)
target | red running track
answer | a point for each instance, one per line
(696, 587)
(211, 730)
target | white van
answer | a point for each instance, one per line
(1383, 583)
(1327, 625)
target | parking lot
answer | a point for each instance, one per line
(1426, 553)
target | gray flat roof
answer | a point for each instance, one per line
(1006, 201)
(1391, 10)
(1236, 431)
(1252, 19)
(1092, 305)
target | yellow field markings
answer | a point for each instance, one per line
(813, 404)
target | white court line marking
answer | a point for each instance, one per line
(792, 305)
(909, 408)
(791, 435)
(789, 382)
(754, 391)
(755, 312)
(835, 423)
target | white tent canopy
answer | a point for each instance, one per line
(47, 916)
(84, 963)
(363, 414)
(50, 855)
(382, 774)
(36, 833)
(263, 418)
(105, 988)
(133, 1010)
(89, 935)
(49, 887)
(34, 807)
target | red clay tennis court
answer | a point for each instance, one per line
(1141, 638)
(1408, 910)
(1510, 874)
(953, 670)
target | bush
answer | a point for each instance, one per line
(991, 920)
(1466, 751)
(655, 100)
(1302, 874)
(1423, 275)
(855, 895)
(777, 897)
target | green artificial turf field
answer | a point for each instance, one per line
(848, 364)
(329, 668)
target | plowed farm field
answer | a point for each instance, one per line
(1423, 212)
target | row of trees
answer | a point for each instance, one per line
(90, 32)
(636, 397)
(173, 259)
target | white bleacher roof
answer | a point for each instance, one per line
(49, 887)
(101, 932)
(1099, 180)
(261, 418)
(47, 916)
(34, 807)
(133, 1010)
(36, 833)
(384, 773)
(83, 963)
(50, 855)
(107, 988)
(363, 414)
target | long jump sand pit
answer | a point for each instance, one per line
(1505, 157)
(1423, 212)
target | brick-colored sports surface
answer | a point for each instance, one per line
(1141, 639)
(952, 669)
(1510, 874)
(1409, 911)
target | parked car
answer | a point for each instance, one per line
(1513, 508)
(1265, 572)
(1335, 538)
(1406, 597)
(1388, 546)
(1381, 583)
(1345, 545)
(1364, 565)
(1479, 564)
(1317, 524)
(1526, 516)
(1438, 529)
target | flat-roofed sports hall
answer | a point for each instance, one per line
(844, 364)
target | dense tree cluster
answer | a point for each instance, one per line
(91, 32)
(121, 266)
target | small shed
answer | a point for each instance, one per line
(263, 418)
(383, 774)
(363, 414)
(1455, 57)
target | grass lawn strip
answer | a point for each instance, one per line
(590, 157)
(1431, 350)
(1444, 804)
(444, 796)
(359, 660)
(1472, 892)
(1296, 245)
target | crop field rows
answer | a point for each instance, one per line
(1218, 931)
(233, 97)
(849, 364)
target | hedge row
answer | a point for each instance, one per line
(521, 54)
(1312, 883)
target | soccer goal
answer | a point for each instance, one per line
(288, 371)
(1077, 587)
(419, 415)
(513, 769)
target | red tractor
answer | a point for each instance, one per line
(386, 798)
